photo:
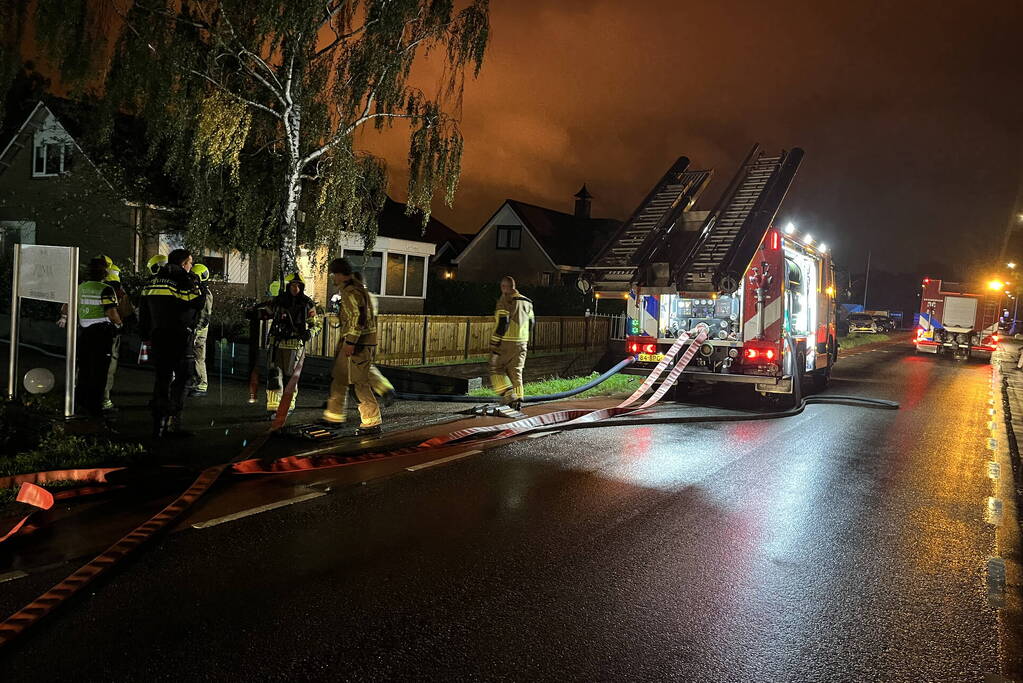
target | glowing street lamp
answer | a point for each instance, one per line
(790, 228)
(1011, 265)
(996, 285)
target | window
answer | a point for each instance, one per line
(228, 266)
(546, 279)
(395, 274)
(414, 276)
(370, 267)
(52, 158)
(509, 237)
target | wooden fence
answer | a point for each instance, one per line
(422, 339)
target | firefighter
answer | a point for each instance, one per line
(354, 356)
(513, 323)
(125, 310)
(293, 322)
(171, 303)
(200, 380)
(98, 323)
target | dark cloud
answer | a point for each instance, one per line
(909, 113)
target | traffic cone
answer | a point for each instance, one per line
(143, 353)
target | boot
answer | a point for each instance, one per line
(159, 427)
(174, 428)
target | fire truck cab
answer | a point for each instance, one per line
(786, 293)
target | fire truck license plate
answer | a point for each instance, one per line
(651, 357)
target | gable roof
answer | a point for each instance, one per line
(567, 239)
(394, 222)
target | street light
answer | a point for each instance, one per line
(1011, 265)
(996, 285)
(790, 228)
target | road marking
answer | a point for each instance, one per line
(12, 576)
(441, 461)
(541, 435)
(996, 582)
(993, 511)
(256, 510)
(994, 470)
(992, 444)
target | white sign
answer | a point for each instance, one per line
(45, 273)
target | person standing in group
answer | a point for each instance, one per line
(293, 322)
(355, 352)
(200, 380)
(513, 325)
(155, 263)
(98, 325)
(124, 310)
(171, 303)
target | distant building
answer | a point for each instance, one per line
(534, 244)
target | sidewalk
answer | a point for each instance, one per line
(1008, 359)
(222, 421)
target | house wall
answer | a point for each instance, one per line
(77, 209)
(482, 261)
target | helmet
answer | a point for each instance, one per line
(293, 277)
(113, 273)
(201, 272)
(274, 288)
(156, 263)
(108, 260)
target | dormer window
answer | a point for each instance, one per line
(52, 158)
(52, 149)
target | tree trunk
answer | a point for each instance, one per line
(292, 192)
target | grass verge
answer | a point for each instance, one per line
(853, 340)
(616, 384)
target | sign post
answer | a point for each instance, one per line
(48, 274)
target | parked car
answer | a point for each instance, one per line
(884, 323)
(862, 323)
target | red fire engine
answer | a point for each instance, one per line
(767, 296)
(955, 322)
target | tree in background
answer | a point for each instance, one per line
(255, 104)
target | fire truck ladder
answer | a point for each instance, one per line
(613, 269)
(734, 230)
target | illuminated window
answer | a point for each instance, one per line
(509, 237)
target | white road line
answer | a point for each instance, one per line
(441, 461)
(541, 435)
(12, 576)
(256, 510)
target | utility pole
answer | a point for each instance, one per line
(866, 282)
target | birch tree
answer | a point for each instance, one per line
(255, 105)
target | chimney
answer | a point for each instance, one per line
(582, 203)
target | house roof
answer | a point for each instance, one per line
(567, 239)
(394, 222)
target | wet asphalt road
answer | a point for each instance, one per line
(844, 544)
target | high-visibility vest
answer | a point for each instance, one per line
(94, 298)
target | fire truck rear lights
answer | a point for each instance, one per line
(650, 348)
(927, 280)
(775, 240)
(633, 347)
(769, 354)
(752, 354)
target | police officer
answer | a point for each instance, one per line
(201, 382)
(356, 349)
(513, 322)
(170, 308)
(98, 323)
(125, 310)
(293, 322)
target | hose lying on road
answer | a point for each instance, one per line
(463, 398)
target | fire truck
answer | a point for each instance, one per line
(765, 295)
(954, 322)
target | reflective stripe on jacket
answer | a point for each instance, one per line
(513, 319)
(94, 300)
(170, 300)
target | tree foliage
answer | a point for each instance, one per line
(254, 105)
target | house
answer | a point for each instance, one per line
(534, 244)
(52, 192)
(403, 257)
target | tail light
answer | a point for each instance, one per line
(759, 352)
(919, 332)
(994, 338)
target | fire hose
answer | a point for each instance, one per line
(246, 463)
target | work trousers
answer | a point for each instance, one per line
(201, 381)
(115, 354)
(506, 366)
(93, 355)
(172, 357)
(353, 370)
(280, 368)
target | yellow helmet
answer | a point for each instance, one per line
(106, 258)
(293, 277)
(156, 263)
(113, 273)
(201, 272)
(274, 288)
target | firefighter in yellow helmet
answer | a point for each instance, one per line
(156, 263)
(353, 361)
(513, 323)
(200, 380)
(293, 322)
(125, 311)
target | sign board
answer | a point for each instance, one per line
(44, 273)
